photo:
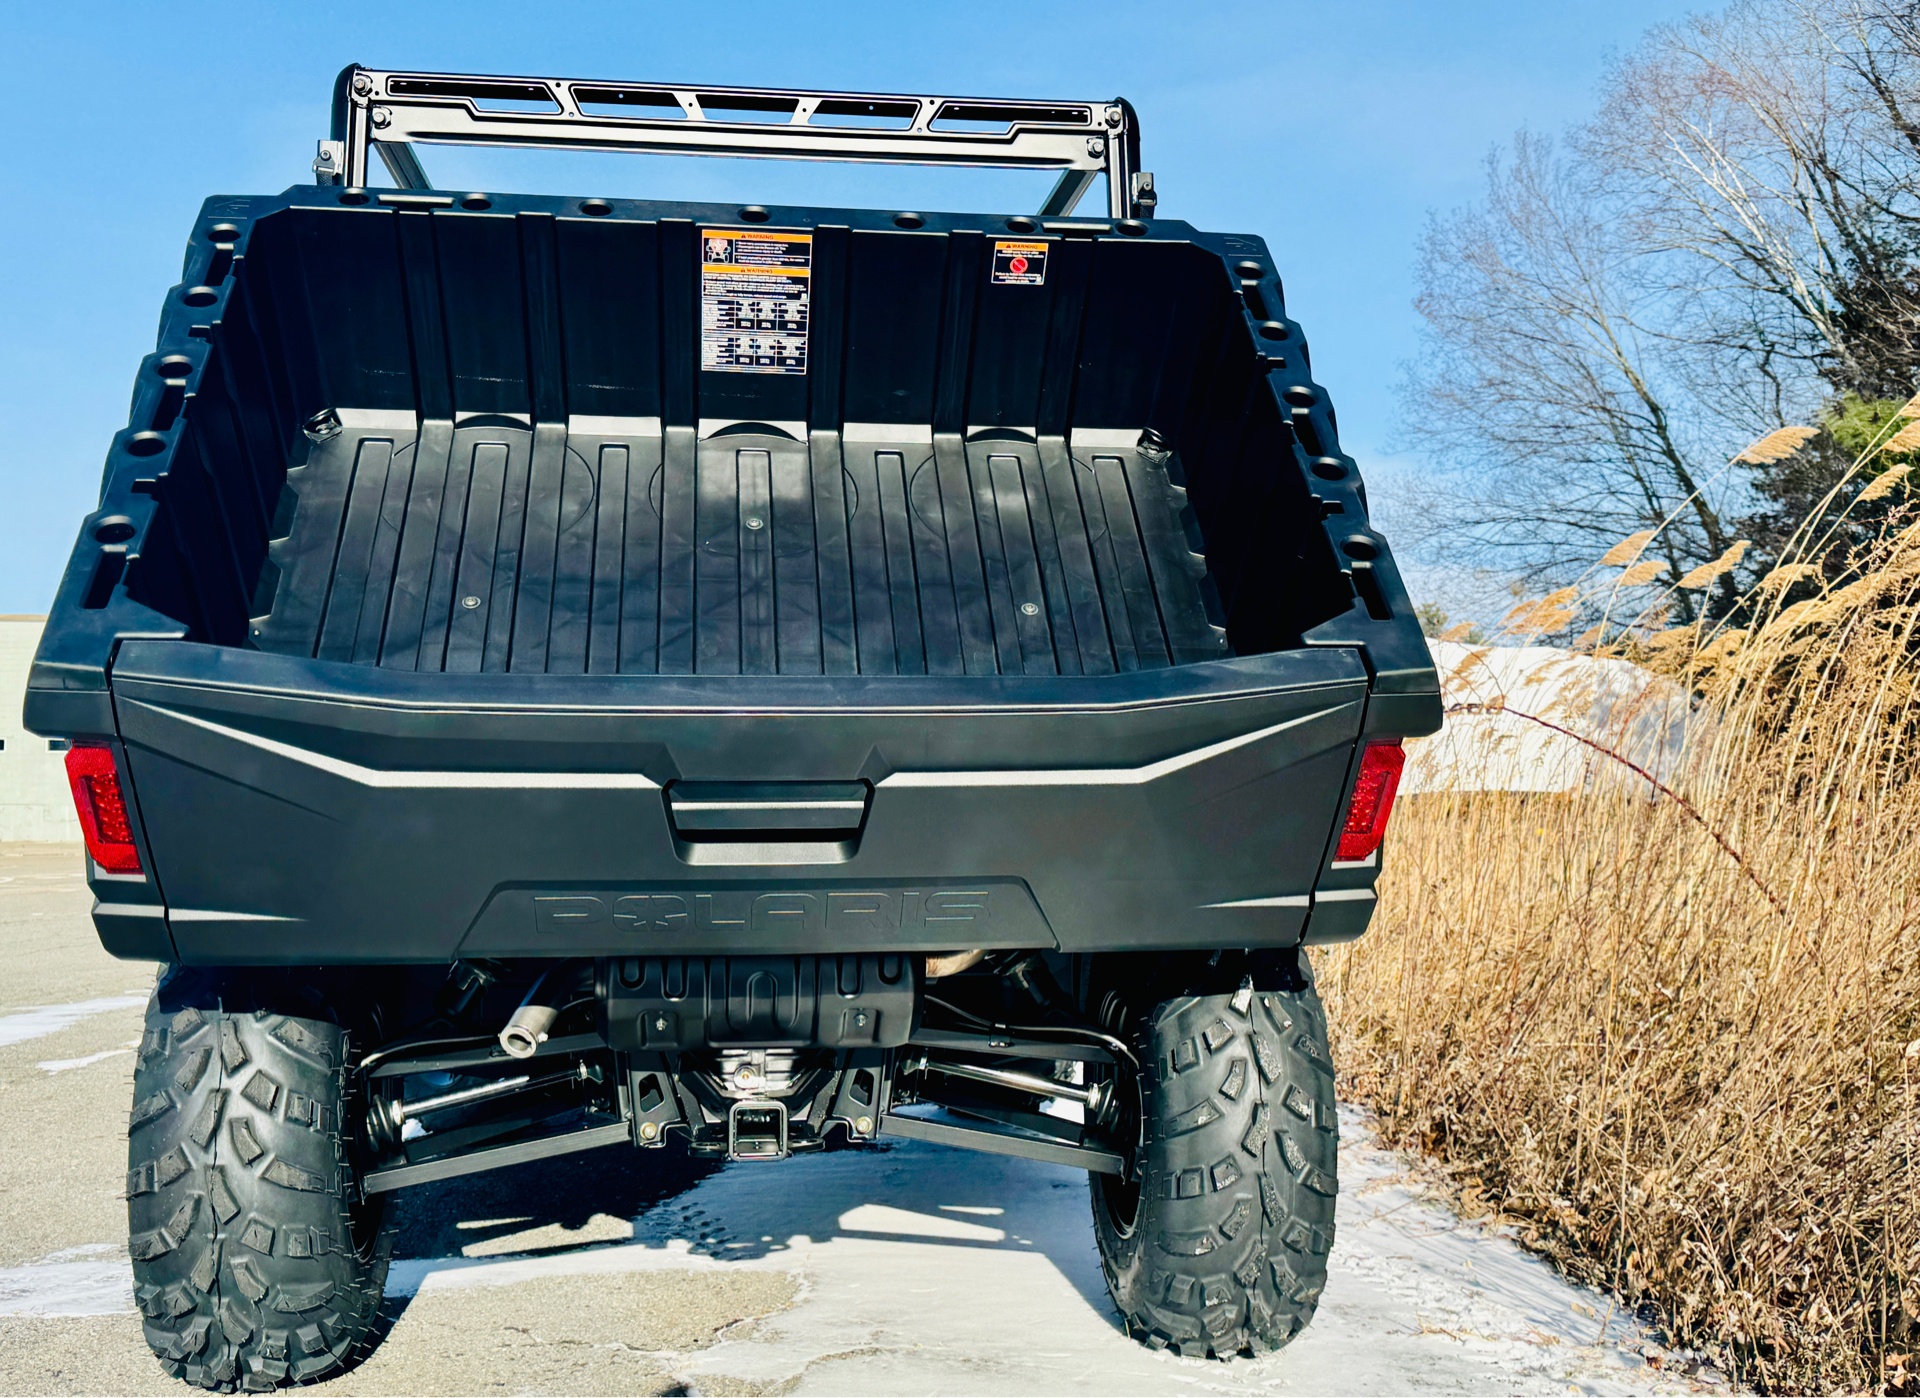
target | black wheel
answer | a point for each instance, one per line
(1217, 1243)
(253, 1264)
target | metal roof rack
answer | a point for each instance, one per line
(389, 113)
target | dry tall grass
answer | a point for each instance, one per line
(1591, 1012)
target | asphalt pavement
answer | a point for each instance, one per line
(903, 1268)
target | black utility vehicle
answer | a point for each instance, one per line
(556, 673)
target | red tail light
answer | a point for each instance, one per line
(1372, 801)
(102, 807)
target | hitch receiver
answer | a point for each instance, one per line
(757, 1131)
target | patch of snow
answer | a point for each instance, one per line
(905, 1223)
(95, 1279)
(37, 1021)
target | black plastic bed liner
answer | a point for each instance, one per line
(607, 545)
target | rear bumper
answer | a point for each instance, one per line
(304, 812)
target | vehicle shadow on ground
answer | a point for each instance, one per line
(909, 1193)
(444, 1218)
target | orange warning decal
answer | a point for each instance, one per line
(1020, 264)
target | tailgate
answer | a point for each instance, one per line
(303, 811)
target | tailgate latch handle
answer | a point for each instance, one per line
(761, 812)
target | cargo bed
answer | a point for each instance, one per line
(479, 441)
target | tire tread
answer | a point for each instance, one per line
(1229, 1252)
(238, 1183)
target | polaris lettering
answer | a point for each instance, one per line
(762, 912)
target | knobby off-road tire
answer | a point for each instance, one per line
(251, 1266)
(1220, 1246)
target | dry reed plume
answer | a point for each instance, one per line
(1591, 1013)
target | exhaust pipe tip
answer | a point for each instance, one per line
(520, 1040)
(527, 1028)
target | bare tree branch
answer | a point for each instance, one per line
(1727, 245)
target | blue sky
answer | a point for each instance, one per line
(1330, 129)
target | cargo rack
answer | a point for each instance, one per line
(384, 113)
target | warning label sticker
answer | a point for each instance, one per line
(1020, 264)
(755, 290)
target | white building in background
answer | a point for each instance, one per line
(1644, 718)
(35, 802)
